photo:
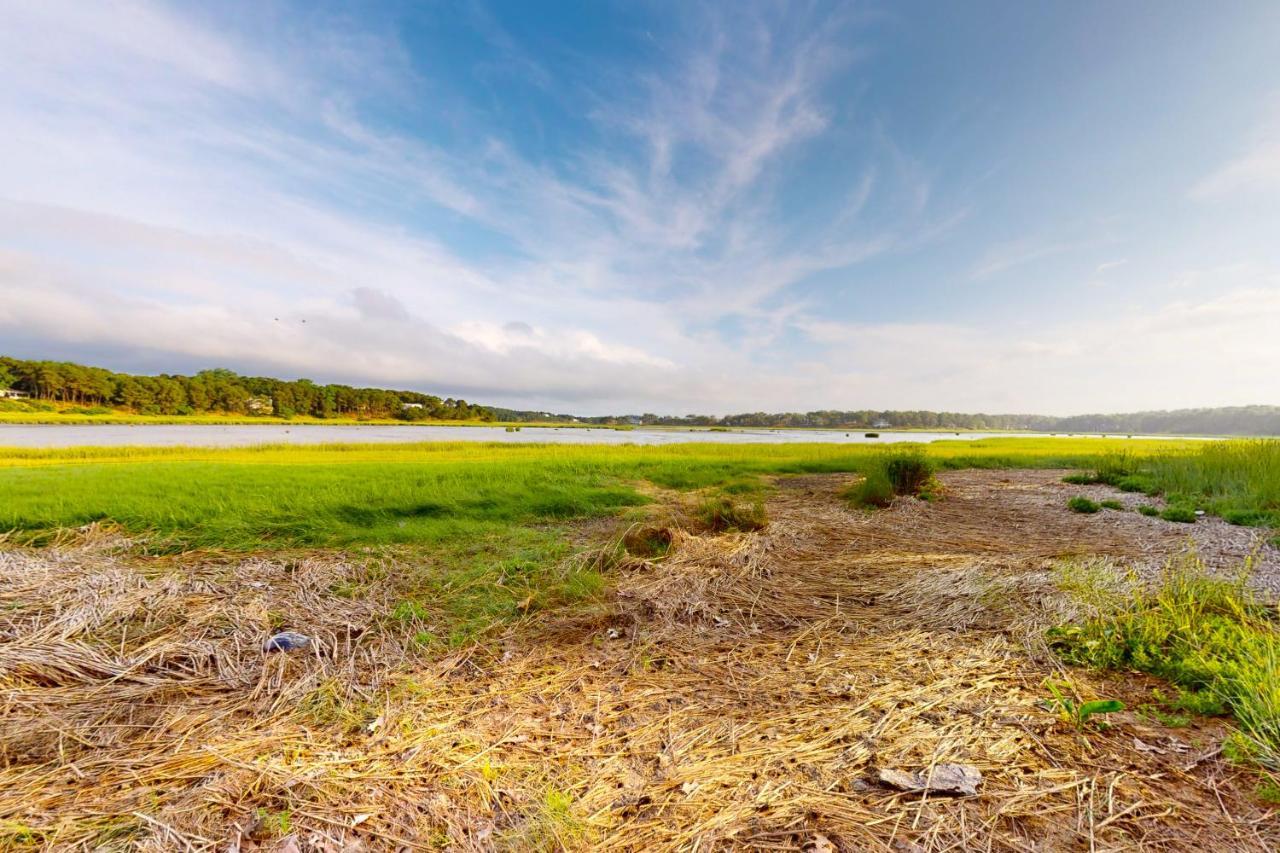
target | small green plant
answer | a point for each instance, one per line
(410, 611)
(1148, 510)
(1111, 504)
(1204, 702)
(1071, 710)
(1268, 790)
(275, 823)
(1079, 479)
(1180, 514)
(1165, 718)
(1082, 504)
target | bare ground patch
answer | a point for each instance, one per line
(740, 694)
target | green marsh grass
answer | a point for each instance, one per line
(348, 495)
(1238, 480)
(1210, 637)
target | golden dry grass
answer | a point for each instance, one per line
(739, 694)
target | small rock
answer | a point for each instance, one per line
(958, 779)
(286, 641)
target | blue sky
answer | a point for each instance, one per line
(670, 207)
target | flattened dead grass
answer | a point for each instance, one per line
(740, 693)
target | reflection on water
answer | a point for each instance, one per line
(205, 435)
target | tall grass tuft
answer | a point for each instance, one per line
(909, 472)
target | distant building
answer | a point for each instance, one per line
(882, 424)
(411, 405)
(259, 406)
(13, 394)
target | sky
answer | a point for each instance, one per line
(674, 207)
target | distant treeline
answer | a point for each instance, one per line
(221, 391)
(1232, 420)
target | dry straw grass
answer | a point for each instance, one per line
(740, 694)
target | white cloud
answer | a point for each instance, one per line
(1257, 171)
(1215, 350)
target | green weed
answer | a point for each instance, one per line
(1072, 710)
(1111, 504)
(1082, 504)
(1148, 510)
(1180, 514)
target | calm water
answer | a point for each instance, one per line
(204, 435)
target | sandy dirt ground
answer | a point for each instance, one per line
(745, 692)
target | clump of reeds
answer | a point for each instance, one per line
(905, 473)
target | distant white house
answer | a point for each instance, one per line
(13, 394)
(411, 405)
(259, 406)
(881, 424)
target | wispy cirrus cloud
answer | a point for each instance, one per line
(227, 184)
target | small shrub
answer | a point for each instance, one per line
(1111, 505)
(721, 514)
(1180, 514)
(1079, 479)
(1082, 504)
(910, 473)
(1148, 510)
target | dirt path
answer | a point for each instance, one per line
(741, 694)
